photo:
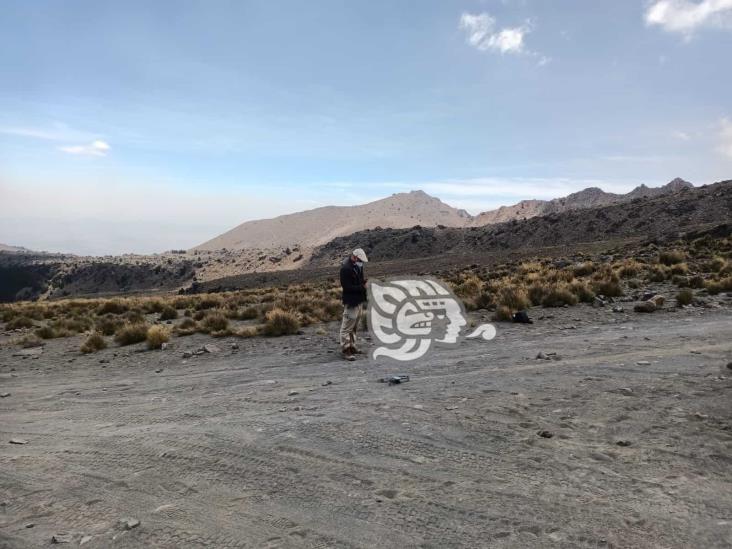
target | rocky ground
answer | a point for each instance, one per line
(620, 439)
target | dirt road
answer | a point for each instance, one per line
(280, 444)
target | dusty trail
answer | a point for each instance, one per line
(218, 451)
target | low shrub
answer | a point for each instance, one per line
(629, 268)
(537, 291)
(558, 296)
(30, 340)
(607, 287)
(156, 336)
(168, 313)
(503, 314)
(470, 287)
(513, 297)
(717, 286)
(657, 274)
(279, 322)
(248, 313)
(46, 332)
(684, 297)
(95, 342)
(129, 334)
(671, 257)
(248, 331)
(679, 269)
(187, 327)
(19, 322)
(211, 301)
(584, 269)
(716, 264)
(108, 324)
(696, 282)
(114, 307)
(215, 322)
(582, 291)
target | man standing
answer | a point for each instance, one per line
(354, 297)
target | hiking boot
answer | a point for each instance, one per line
(356, 351)
(348, 355)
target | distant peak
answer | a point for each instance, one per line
(678, 183)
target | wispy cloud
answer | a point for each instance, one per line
(95, 148)
(725, 137)
(681, 136)
(685, 16)
(482, 34)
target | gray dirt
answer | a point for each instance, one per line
(252, 447)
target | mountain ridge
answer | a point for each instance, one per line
(311, 228)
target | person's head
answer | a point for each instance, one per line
(359, 256)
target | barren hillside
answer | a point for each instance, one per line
(664, 214)
(318, 226)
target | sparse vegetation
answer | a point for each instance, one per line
(95, 342)
(684, 297)
(703, 265)
(671, 257)
(30, 340)
(20, 322)
(215, 321)
(280, 322)
(156, 336)
(168, 313)
(128, 334)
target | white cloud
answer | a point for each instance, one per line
(725, 137)
(482, 34)
(685, 16)
(682, 136)
(95, 148)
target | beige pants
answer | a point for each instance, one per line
(349, 325)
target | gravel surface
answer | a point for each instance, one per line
(620, 436)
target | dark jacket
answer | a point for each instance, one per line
(352, 282)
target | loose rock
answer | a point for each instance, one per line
(61, 538)
(545, 434)
(131, 523)
(645, 307)
(18, 441)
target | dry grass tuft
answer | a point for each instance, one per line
(156, 336)
(280, 322)
(671, 257)
(95, 342)
(684, 297)
(168, 313)
(129, 334)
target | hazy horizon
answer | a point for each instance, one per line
(138, 127)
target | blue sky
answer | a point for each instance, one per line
(144, 126)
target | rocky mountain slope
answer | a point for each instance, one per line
(305, 230)
(664, 214)
(587, 198)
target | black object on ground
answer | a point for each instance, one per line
(522, 317)
(394, 379)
